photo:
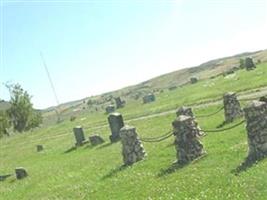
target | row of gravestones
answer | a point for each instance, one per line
(187, 133)
(120, 103)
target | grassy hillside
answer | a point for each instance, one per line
(162, 83)
(97, 173)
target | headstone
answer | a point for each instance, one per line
(119, 102)
(249, 64)
(20, 173)
(96, 139)
(39, 147)
(132, 148)
(149, 98)
(187, 144)
(184, 111)
(79, 135)
(256, 117)
(110, 109)
(232, 108)
(115, 123)
(172, 88)
(263, 98)
(193, 80)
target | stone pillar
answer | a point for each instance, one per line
(79, 135)
(20, 173)
(184, 111)
(132, 148)
(187, 142)
(256, 117)
(39, 147)
(115, 121)
(232, 108)
(249, 64)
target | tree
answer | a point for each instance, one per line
(21, 112)
(4, 123)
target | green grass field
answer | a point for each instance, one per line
(97, 172)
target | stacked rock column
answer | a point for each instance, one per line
(256, 117)
(187, 144)
(132, 148)
(232, 108)
(187, 111)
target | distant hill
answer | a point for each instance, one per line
(166, 81)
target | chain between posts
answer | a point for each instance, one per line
(223, 129)
(159, 138)
(211, 114)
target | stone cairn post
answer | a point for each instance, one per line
(39, 147)
(115, 121)
(249, 64)
(187, 142)
(232, 108)
(20, 173)
(187, 111)
(132, 148)
(256, 117)
(79, 135)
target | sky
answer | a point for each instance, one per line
(95, 46)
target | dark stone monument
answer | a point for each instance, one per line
(96, 139)
(119, 102)
(149, 98)
(20, 173)
(110, 109)
(249, 64)
(79, 135)
(193, 80)
(115, 121)
(39, 147)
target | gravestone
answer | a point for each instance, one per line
(132, 148)
(115, 121)
(110, 109)
(193, 80)
(256, 117)
(39, 147)
(184, 111)
(20, 173)
(232, 108)
(79, 135)
(119, 102)
(249, 64)
(96, 139)
(187, 144)
(149, 98)
(172, 88)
